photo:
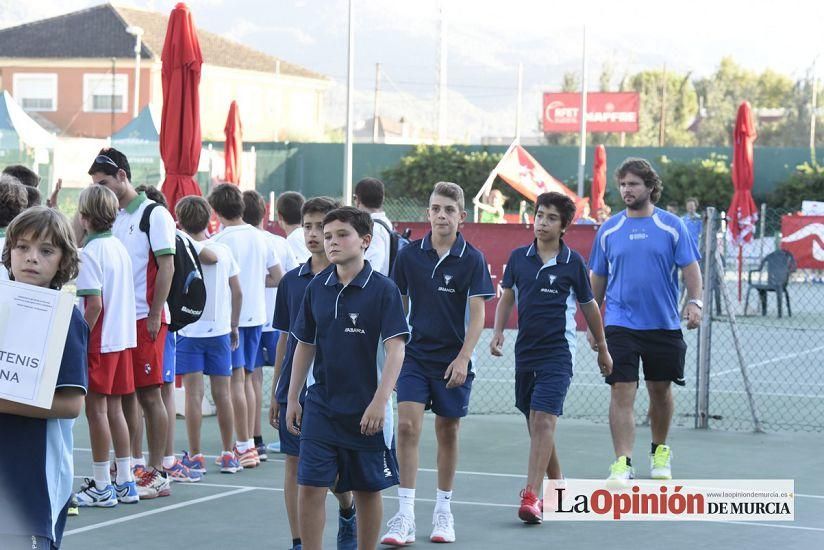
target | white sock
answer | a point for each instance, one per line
(242, 446)
(102, 478)
(138, 462)
(407, 501)
(168, 461)
(124, 472)
(250, 444)
(442, 504)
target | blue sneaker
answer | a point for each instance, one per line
(126, 492)
(347, 533)
(90, 496)
(195, 463)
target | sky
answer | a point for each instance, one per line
(487, 39)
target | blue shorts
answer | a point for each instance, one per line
(541, 390)
(427, 386)
(325, 465)
(169, 358)
(266, 348)
(211, 356)
(289, 442)
(246, 352)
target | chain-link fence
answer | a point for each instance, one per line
(781, 356)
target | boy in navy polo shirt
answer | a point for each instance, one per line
(346, 426)
(547, 279)
(35, 492)
(444, 278)
(287, 305)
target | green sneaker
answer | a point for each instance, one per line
(660, 463)
(620, 473)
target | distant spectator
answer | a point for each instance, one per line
(672, 208)
(586, 217)
(25, 176)
(492, 208)
(692, 219)
(289, 219)
(13, 200)
(603, 213)
(369, 196)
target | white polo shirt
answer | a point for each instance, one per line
(287, 262)
(298, 245)
(248, 245)
(162, 231)
(378, 252)
(217, 313)
(106, 271)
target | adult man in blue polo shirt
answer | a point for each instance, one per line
(445, 281)
(634, 262)
(547, 280)
(346, 426)
(287, 306)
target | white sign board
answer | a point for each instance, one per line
(34, 322)
(812, 208)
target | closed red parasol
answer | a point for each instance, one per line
(742, 214)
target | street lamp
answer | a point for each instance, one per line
(137, 32)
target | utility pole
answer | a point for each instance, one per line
(377, 99)
(111, 100)
(518, 106)
(137, 32)
(813, 114)
(582, 147)
(662, 126)
(442, 87)
(350, 96)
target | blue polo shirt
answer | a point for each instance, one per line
(287, 305)
(348, 325)
(694, 226)
(36, 468)
(439, 290)
(547, 295)
(639, 257)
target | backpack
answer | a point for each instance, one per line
(187, 294)
(397, 241)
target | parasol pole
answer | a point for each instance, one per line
(740, 261)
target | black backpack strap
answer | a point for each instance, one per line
(393, 241)
(144, 223)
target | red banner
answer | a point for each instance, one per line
(497, 241)
(803, 237)
(606, 112)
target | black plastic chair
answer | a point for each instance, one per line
(779, 265)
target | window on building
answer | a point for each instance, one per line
(104, 94)
(36, 91)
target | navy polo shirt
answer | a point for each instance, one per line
(439, 290)
(287, 305)
(36, 468)
(348, 325)
(547, 295)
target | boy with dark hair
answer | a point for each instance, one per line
(13, 200)
(447, 281)
(546, 279)
(205, 347)
(24, 175)
(368, 197)
(254, 210)
(288, 304)
(346, 427)
(259, 268)
(152, 272)
(289, 218)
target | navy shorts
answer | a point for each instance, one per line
(211, 356)
(169, 357)
(325, 465)
(663, 353)
(266, 348)
(541, 390)
(23, 542)
(426, 385)
(289, 442)
(246, 352)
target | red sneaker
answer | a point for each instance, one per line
(532, 509)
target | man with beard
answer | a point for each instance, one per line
(634, 264)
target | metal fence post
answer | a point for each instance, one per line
(702, 388)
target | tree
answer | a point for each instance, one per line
(709, 180)
(806, 183)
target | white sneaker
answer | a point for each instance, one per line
(620, 474)
(401, 531)
(660, 463)
(444, 527)
(90, 496)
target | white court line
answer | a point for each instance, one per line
(757, 524)
(768, 361)
(155, 511)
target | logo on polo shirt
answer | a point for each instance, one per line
(552, 279)
(131, 229)
(446, 279)
(551, 282)
(354, 328)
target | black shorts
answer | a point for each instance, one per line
(662, 351)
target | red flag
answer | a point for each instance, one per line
(180, 140)
(599, 179)
(521, 171)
